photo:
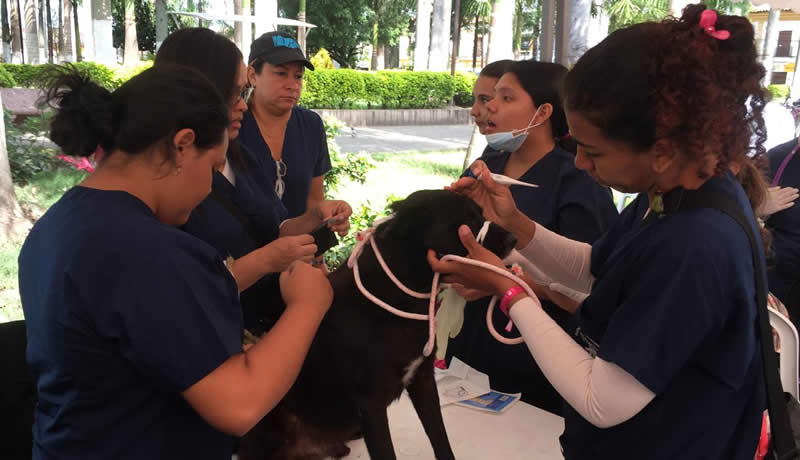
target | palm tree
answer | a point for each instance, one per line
(501, 31)
(49, 28)
(580, 12)
(478, 11)
(76, 23)
(30, 32)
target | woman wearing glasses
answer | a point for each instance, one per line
(290, 138)
(242, 217)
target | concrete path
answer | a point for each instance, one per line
(404, 138)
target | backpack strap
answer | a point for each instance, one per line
(782, 437)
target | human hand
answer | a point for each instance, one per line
(338, 212)
(281, 253)
(470, 276)
(496, 201)
(777, 199)
(469, 294)
(303, 286)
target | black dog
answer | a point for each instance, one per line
(363, 357)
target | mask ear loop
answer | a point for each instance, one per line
(531, 125)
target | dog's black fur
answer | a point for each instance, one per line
(361, 352)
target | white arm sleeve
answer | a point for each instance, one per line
(515, 257)
(558, 260)
(600, 391)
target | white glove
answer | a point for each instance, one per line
(777, 199)
(449, 320)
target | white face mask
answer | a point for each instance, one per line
(511, 141)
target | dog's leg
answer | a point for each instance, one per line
(423, 394)
(375, 426)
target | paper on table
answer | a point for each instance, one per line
(460, 382)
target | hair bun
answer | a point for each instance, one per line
(83, 118)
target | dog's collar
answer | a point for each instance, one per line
(368, 236)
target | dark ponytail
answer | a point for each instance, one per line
(148, 109)
(543, 81)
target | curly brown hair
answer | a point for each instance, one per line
(671, 80)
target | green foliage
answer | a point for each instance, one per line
(28, 154)
(463, 89)
(362, 218)
(779, 93)
(342, 26)
(322, 60)
(6, 79)
(334, 89)
(145, 24)
(388, 89)
(35, 76)
(125, 73)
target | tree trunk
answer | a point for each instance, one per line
(475, 44)
(580, 17)
(301, 31)
(501, 31)
(131, 53)
(477, 144)
(440, 36)
(30, 32)
(12, 221)
(102, 45)
(161, 21)
(373, 62)
(49, 25)
(770, 43)
(61, 51)
(237, 25)
(423, 36)
(6, 31)
(518, 30)
(456, 36)
(16, 33)
(78, 51)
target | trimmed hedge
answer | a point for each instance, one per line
(323, 88)
(35, 76)
(778, 92)
(386, 89)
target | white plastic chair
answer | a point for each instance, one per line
(787, 335)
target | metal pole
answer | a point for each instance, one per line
(548, 29)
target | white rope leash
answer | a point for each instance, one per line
(367, 236)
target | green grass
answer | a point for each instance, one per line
(400, 174)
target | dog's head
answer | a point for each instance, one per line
(430, 219)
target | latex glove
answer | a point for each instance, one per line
(449, 319)
(777, 199)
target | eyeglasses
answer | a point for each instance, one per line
(280, 186)
(245, 94)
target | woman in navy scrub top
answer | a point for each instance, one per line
(665, 363)
(243, 217)
(290, 140)
(567, 202)
(134, 326)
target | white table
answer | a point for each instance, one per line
(521, 432)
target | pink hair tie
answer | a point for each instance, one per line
(707, 21)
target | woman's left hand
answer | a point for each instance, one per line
(338, 212)
(471, 276)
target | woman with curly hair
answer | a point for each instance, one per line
(665, 362)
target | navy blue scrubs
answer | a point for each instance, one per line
(254, 223)
(785, 229)
(123, 313)
(305, 153)
(674, 305)
(569, 202)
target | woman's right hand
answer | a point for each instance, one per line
(306, 286)
(282, 252)
(495, 199)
